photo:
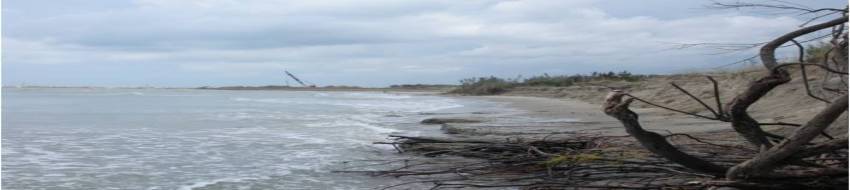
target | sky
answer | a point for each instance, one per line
(189, 43)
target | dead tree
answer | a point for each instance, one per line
(785, 159)
(653, 142)
(741, 120)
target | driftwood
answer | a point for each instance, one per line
(653, 142)
(437, 121)
(580, 160)
(770, 159)
(792, 157)
(742, 122)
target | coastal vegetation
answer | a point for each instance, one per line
(494, 85)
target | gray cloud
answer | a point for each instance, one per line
(222, 42)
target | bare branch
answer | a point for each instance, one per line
(655, 143)
(716, 114)
(669, 108)
(803, 72)
(721, 114)
(767, 51)
(767, 161)
(824, 147)
(784, 6)
(811, 64)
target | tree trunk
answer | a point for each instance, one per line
(654, 142)
(772, 158)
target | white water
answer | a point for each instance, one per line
(204, 139)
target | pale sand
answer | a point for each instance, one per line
(551, 115)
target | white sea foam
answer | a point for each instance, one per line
(373, 95)
(563, 120)
(381, 130)
(368, 102)
(349, 122)
(201, 184)
(263, 100)
(304, 139)
(221, 138)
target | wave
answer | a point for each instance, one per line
(127, 94)
(354, 122)
(202, 184)
(376, 102)
(376, 95)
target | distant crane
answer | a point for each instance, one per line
(298, 80)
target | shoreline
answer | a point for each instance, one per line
(544, 133)
(543, 115)
(297, 89)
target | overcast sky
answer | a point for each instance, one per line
(370, 43)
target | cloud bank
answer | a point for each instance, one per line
(370, 43)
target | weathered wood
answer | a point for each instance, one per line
(437, 121)
(770, 159)
(767, 52)
(821, 148)
(655, 143)
(439, 139)
(742, 122)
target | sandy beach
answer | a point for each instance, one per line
(564, 115)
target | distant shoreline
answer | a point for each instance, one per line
(329, 89)
(428, 88)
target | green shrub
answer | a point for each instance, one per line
(815, 53)
(546, 80)
(493, 85)
(484, 86)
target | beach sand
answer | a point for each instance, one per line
(544, 116)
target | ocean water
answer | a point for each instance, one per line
(206, 139)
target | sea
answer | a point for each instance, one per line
(103, 138)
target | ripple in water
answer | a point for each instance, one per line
(196, 139)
